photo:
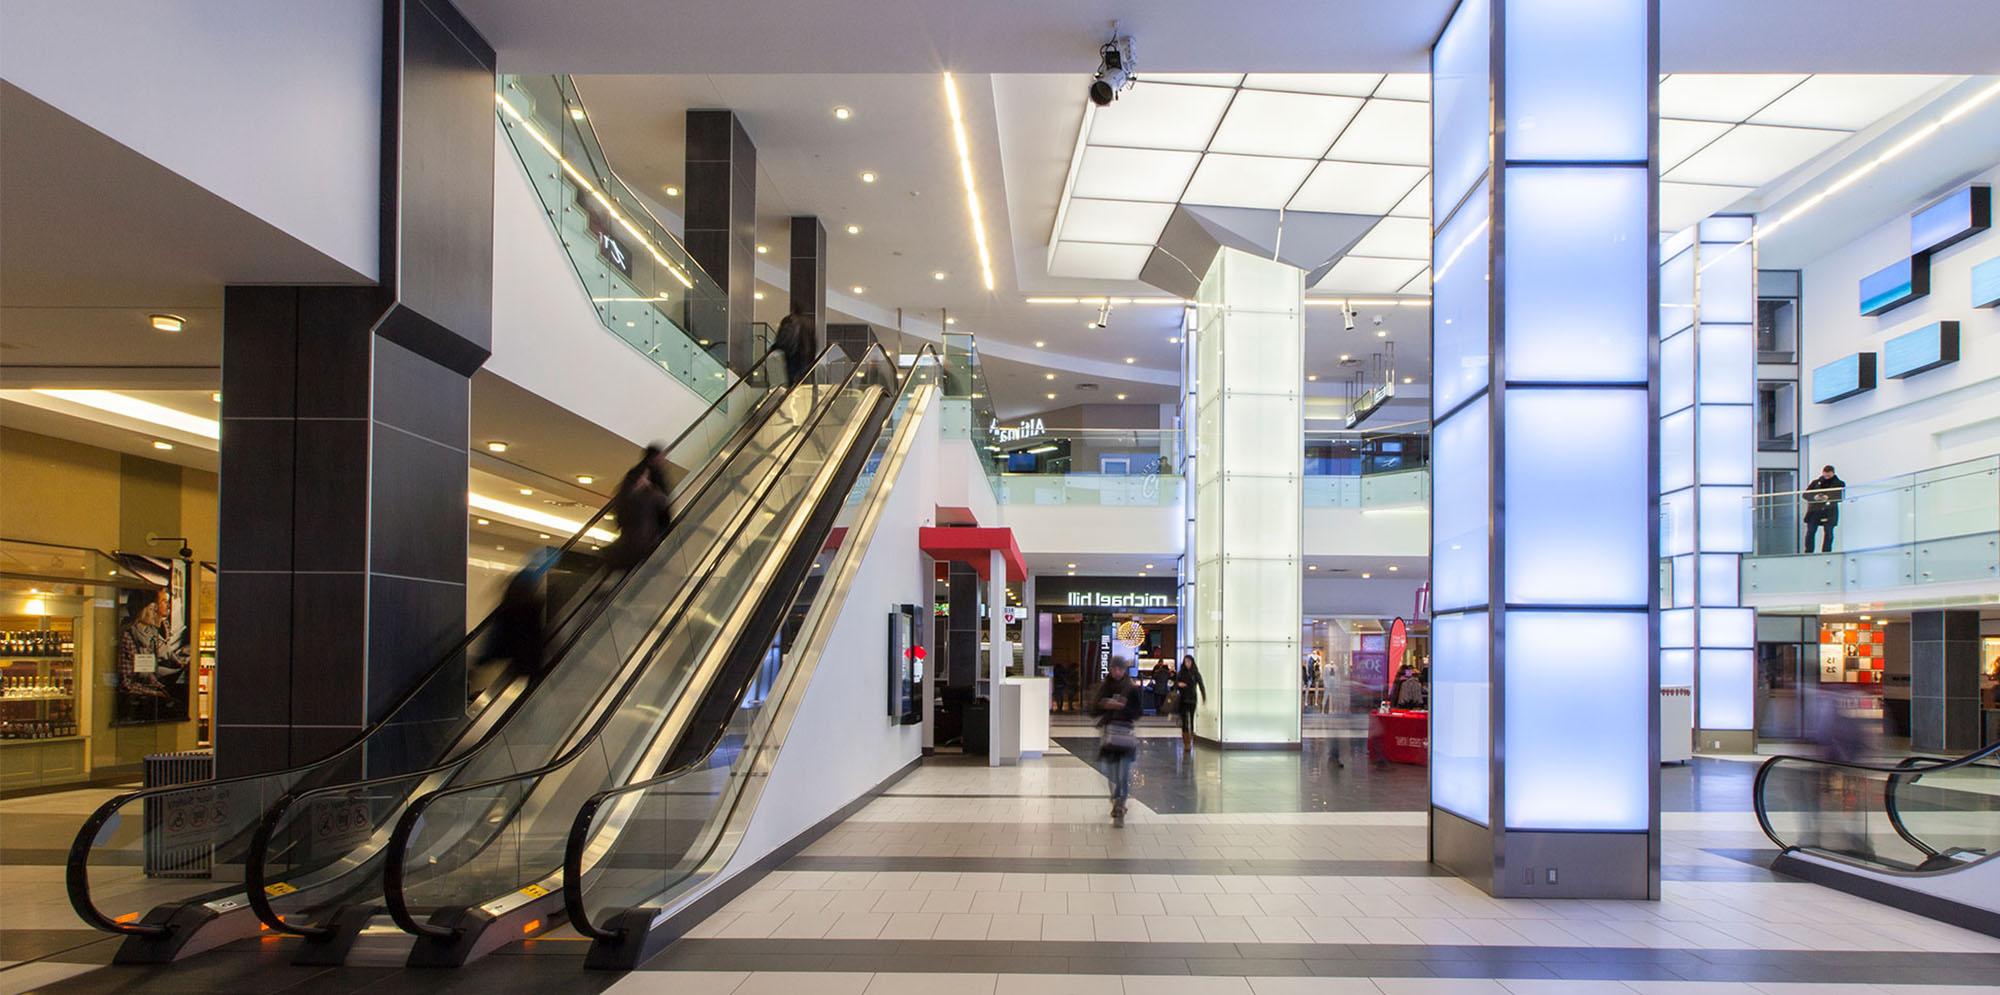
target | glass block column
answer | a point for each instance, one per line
(1544, 723)
(1708, 387)
(1249, 339)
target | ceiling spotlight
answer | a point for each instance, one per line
(1069, 566)
(867, 176)
(1121, 397)
(842, 113)
(951, 321)
(858, 289)
(585, 479)
(541, 535)
(1346, 316)
(1149, 566)
(1114, 71)
(762, 249)
(939, 275)
(1131, 359)
(1051, 397)
(483, 521)
(1381, 333)
(854, 229)
(757, 295)
(496, 447)
(1174, 340)
(1312, 566)
(1072, 573)
(1343, 357)
(576, 113)
(1393, 568)
(672, 191)
(1313, 377)
(167, 322)
(1365, 575)
(1103, 316)
(216, 397)
(1039, 343)
(157, 444)
(526, 491)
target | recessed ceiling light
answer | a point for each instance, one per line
(842, 113)
(1174, 341)
(1365, 575)
(761, 249)
(1131, 359)
(854, 229)
(673, 191)
(631, 324)
(964, 145)
(1409, 379)
(1312, 376)
(1051, 397)
(1048, 376)
(757, 295)
(167, 322)
(1382, 333)
(1393, 568)
(1142, 573)
(483, 521)
(1121, 397)
(496, 447)
(216, 397)
(951, 321)
(1072, 573)
(1069, 566)
(860, 289)
(1312, 566)
(867, 176)
(1343, 357)
(1865, 618)
(500, 548)
(1149, 566)
(585, 479)
(541, 535)
(576, 113)
(525, 491)
(1039, 343)
(157, 444)
(939, 275)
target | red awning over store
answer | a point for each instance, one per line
(973, 547)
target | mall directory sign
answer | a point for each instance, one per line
(1895, 285)
(1957, 216)
(1927, 348)
(1844, 378)
(1986, 283)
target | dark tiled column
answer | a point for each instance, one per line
(809, 271)
(1944, 680)
(345, 409)
(962, 645)
(721, 224)
(855, 338)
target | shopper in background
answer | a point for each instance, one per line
(794, 340)
(1823, 508)
(518, 634)
(643, 508)
(1117, 718)
(1187, 682)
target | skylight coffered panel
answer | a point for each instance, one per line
(1246, 181)
(1727, 98)
(1396, 238)
(1097, 261)
(1847, 103)
(1363, 275)
(1120, 221)
(1680, 139)
(1283, 124)
(1405, 86)
(1358, 188)
(1133, 174)
(1683, 204)
(1396, 131)
(1160, 116)
(1752, 155)
(1338, 84)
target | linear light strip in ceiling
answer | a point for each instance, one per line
(965, 172)
(534, 516)
(590, 188)
(1310, 301)
(138, 410)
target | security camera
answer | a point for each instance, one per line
(1114, 71)
(1346, 316)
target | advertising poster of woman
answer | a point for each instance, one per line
(155, 650)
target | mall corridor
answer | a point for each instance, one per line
(973, 880)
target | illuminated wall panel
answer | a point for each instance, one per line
(1711, 278)
(1249, 340)
(1546, 458)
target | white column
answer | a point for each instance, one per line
(1249, 353)
(996, 649)
(1544, 544)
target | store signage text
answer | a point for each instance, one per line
(1028, 428)
(1100, 599)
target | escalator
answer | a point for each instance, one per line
(480, 863)
(168, 868)
(1921, 834)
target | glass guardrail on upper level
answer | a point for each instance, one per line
(646, 288)
(966, 411)
(1935, 526)
(1399, 489)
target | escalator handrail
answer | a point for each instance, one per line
(77, 869)
(254, 874)
(398, 846)
(1896, 772)
(578, 841)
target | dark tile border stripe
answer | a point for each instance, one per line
(1098, 795)
(1123, 865)
(1329, 960)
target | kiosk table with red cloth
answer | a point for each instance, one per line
(1400, 735)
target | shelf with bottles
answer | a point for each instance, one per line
(36, 644)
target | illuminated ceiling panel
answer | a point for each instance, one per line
(1364, 275)
(1246, 181)
(1261, 122)
(1161, 116)
(1358, 187)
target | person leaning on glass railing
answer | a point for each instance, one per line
(1822, 499)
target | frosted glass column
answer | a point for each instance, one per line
(1544, 724)
(1249, 420)
(1708, 373)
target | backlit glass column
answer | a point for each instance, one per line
(1249, 363)
(1544, 726)
(1708, 365)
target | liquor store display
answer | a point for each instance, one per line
(38, 686)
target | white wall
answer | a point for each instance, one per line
(1376, 598)
(273, 105)
(1082, 530)
(963, 483)
(842, 742)
(546, 336)
(1397, 531)
(1943, 416)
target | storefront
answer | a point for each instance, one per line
(1084, 623)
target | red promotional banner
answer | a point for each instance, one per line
(1399, 638)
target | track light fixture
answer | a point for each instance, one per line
(1115, 66)
(1103, 319)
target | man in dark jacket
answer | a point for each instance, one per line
(643, 508)
(1823, 508)
(1117, 718)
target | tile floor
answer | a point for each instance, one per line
(969, 880)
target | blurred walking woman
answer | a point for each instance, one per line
(1187, 683)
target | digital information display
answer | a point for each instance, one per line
(1967, 212)
(1844, 378)
(1927, 348)
(1895, 285)
(1986, 283)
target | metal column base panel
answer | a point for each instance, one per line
(1462, 847)
(1522, 864)
(1733, 741)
